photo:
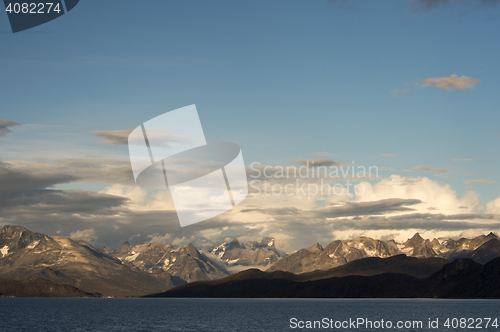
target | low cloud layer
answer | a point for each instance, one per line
(87, 235)
(394, 205)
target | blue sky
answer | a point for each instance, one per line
(283, 79)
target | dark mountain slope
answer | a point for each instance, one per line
(40, 288)
(462, 278)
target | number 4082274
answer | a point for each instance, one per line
(33, 8)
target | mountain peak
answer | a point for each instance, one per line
(191, 250)
(415, 241)
(15, 227)
(233, 244)
(267, 242)
(315, 247)
(11, 229)
(125, 247)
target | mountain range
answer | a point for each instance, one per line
(184, 264)
(61, 266)
(481, 249)
(130, 271)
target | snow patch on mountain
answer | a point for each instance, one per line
(5, 250)
(132, 257)
(33, 245)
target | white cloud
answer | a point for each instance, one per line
(141, 199)
(452, 83)
(493, 206)
(87, 235)
(438, 198)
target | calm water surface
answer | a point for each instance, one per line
(39, 314)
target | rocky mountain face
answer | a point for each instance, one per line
(481, 249)
(451, 249)
(250, 253)
(335, 254)
(25, 254)
(184, 264)
(36, 287)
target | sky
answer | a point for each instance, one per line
(409, 87)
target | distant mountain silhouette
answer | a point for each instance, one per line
(463, 278)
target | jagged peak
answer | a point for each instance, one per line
(125, 247)
(268, 242)
(191, 250)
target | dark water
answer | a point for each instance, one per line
(38, 314)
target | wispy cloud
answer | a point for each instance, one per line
(463, 159)
(432, 169)
(319, 162)
(429, 5)
(113, 137)
(322, 154)
(388, 155)
(482, 181)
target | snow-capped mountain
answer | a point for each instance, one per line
(448, 248)
(481, 248)
(25, 254)
(130, 271)
(250, 253)
(187, 264)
